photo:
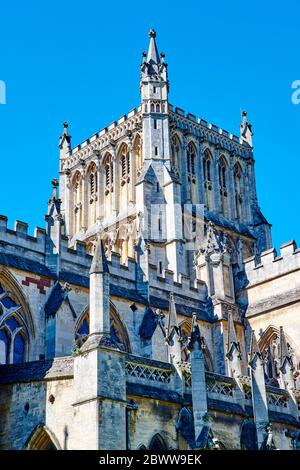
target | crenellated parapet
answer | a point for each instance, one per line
(270, 264)
(100, 140)
(208, 132)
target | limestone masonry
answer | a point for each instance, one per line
(152, 311)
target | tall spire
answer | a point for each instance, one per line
(153, 55)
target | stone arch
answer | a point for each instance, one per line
(186, 328)
(123, 157)
(108, 183)
(238, 190)
(191, 155)
(118, 330)
(42, 439)
(92, 190)
(141, 447)
(157, 443)
(223, 184)
(176, 149)
(16, 323)
(269, 345)
(207, 163)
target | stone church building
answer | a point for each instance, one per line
(151, 312)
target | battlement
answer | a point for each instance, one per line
(183, 286)
(112, 132)
(18, 239)
(271, 265)
(205, 126)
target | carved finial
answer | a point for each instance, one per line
(152, 33)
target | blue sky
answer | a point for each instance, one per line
(64, 61)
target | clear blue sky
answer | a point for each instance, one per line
(79, 61)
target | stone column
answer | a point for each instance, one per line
(99, 372)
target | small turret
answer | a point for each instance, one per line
(246, 130)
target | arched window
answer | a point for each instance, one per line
(157, 443)
(92, 193)
(175, 154)
(223, 185)
(185, 329)
(14, 333)
(207, 175)
(77, 201)
(269, 345)
(191, 168)
(125, 173)
(238, 188)
(117, 330)
(108, 181)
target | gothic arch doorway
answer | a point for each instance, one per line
(157, 443)
(42, 439)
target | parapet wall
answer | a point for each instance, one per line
(77, 260)
(209, 131)
(271, 265)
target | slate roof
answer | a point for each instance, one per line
(61, 367)
(24, 264)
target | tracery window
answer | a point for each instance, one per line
(92, 193)
(238, 187)
(108, 182)
(13, 331)
(175, 154)
(207, 175)
(269, 345)
(191, 168)
(223, 186)
(117, 331)
(125, 175)
(185, 329)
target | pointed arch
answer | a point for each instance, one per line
(207, 176)
(16, 323)
(118, 329)
(157, 443)
(186, 328)
(223, 184)
(108, 182)
(125, 174)
(269, 347)
(92, 179)
(238, 190)
(175, 153)
(42, 439)
(191, 169)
